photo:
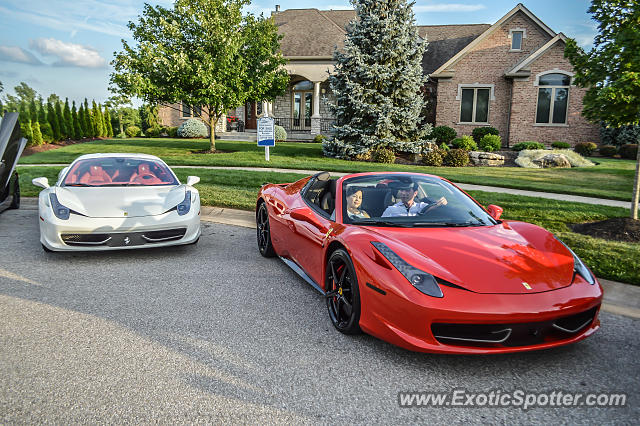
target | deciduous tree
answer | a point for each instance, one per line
(204, 53)
(611, 70)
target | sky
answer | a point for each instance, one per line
(66, 46)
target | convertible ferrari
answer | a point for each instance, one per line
(117, 201)
(417, 262)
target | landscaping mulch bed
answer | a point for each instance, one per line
(618, 228)
(509, 159)
(49, 146)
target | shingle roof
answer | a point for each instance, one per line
(313, 32)
(444, 41)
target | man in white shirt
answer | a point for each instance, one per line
(407, 205)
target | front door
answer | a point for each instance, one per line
(250, 114)
(302, 110)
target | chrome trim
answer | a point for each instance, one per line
(157, 240)
(90, 243)
(566, 330)
(508, 330)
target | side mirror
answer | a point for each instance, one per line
(192, 180)
(42, 182)
(495, 211)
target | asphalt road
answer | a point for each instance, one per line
(214, 332)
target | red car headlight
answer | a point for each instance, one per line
(422, 281)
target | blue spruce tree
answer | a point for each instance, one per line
(377, 82)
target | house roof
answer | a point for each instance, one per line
(311, 32)
(519, 8)
(444, 41)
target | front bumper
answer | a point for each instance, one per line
(80, 233)
(462, 319)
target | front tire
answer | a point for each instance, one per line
(264, 232)
(343, 293)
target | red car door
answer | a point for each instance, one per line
(313, 224)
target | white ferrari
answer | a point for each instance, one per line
(117, 201)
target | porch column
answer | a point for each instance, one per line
(315, 118)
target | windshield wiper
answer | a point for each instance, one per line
(449, 224)
(78, 184)
(382, 222)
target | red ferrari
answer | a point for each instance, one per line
(415, 261)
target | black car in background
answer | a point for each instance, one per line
(11, 145)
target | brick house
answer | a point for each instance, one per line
(511, 75)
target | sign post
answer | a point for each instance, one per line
(266, 134)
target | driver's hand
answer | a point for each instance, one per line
(441, 202)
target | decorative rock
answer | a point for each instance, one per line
(479, 158)
(553, 161)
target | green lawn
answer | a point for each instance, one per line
(238, 189)
(611, 179)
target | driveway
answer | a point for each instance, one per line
(214, 332)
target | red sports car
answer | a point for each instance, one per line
(415, 261)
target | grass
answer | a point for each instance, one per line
(608, 259)
(612, 179)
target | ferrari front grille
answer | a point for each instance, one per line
(85, 239)
(513, 335)
(164, 235)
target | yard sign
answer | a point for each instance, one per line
(266, 134)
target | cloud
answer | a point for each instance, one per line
(18, 54)
(68, 54)
(449, 7)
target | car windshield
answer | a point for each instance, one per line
(409, 201)
(119, 171)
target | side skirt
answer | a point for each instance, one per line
(298, 270)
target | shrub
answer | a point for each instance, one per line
(37, 135)
(465, 142)
(585, 148)
(444, 147)
(479, 132)
(443, 134)
(132, 131)
(608, 150)
(366, 156)
(47, 132)
(121, 135)
(527, 145)
(526, 158)
(629, 151)
(383, 155)
(318, 138)
(490, 142)
(456, 158)
(172, 132)
(560, 145)
(153, 132)
(619, 135)
(280, 134)
(193, 128)
(433, 158)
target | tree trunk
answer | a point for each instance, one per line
(636, 187)
(212, 133)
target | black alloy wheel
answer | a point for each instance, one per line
(343, 294)
(264, 232)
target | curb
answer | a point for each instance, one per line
(619, 298)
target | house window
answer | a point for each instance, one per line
(186, 110)
(474, 107)
(516, 40)
(553, 99)
(302, 104)
(197, 111)
(517, 35)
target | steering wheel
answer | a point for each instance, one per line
(147, 178)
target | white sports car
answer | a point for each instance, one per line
(117, 201)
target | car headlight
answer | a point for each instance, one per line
(184, 207)
(579, 267)
(422, 281)
(61, 212)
